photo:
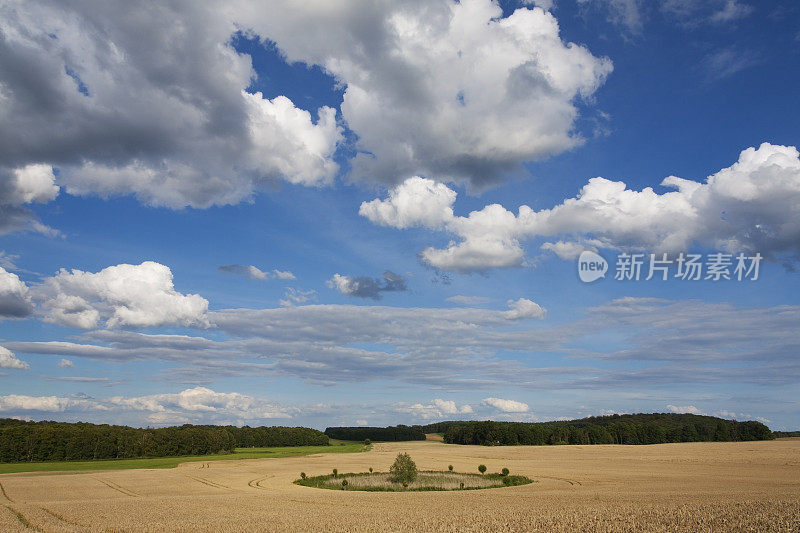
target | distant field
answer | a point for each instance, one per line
(714, 486)
(172, 462)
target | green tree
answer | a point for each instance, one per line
(482, 468)
(403, 470)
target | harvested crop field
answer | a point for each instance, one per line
(746, 486)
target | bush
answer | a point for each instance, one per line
(370, 470)
(303, 475)
(462, 484)
(403, 470)
(482, 468)
(367, 442)
(450, 468)
(335, 472)
(504, 471)
(344, 484)
(506, 480)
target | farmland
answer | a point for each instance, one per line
(738, 486)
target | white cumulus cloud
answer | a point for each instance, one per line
(15, 299)
(750, 206)
(121, 295)
(507, 406)
(9, 360)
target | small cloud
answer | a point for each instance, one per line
(294, 297)
(367, 287)
(507, 406)
(248, 271)
(252, 272)
(468, 300)
(727, 62)
(361, 422)
(9, 360)
(732, 10)
(282, 274)
(66, 363)
(685, 409)
(524, 308)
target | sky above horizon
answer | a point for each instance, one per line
(346, 213)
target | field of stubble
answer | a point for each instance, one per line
(752, 486)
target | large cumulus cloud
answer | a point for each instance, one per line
(151, 99)
(752, 206)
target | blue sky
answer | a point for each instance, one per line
(347, 214)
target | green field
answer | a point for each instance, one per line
(172, 462)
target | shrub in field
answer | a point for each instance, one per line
(403, 470)
(370, 470)
(335, 472)
(462, 485)
(504, 471)
(450, 468)
(344, 484)
(482, 468)
(303, 475)
(367, 442)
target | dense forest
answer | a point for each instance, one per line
(276, 436)
(785, 434)
(390, 434)
(614, 429)
(22, 441)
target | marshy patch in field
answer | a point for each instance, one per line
(430, 480)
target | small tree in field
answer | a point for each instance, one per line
(344, 484)
(367, 442)
(482, 468)
(303, 475)
(370, 470)
(504, 471)
(450, 468)
(403, 470)
(335, 472)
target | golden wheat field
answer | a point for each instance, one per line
(750, 486)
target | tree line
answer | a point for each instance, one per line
(22, 441)
(387, 434)
(614, 429)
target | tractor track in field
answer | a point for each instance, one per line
(256, 483)
(5, 494)
(23, 519)
(118, 488)
(209, 483)
(62, 519)
(565, 480)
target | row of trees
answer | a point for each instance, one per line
(263, 436)
(22, 441)
(615, 429)
(387, 434)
